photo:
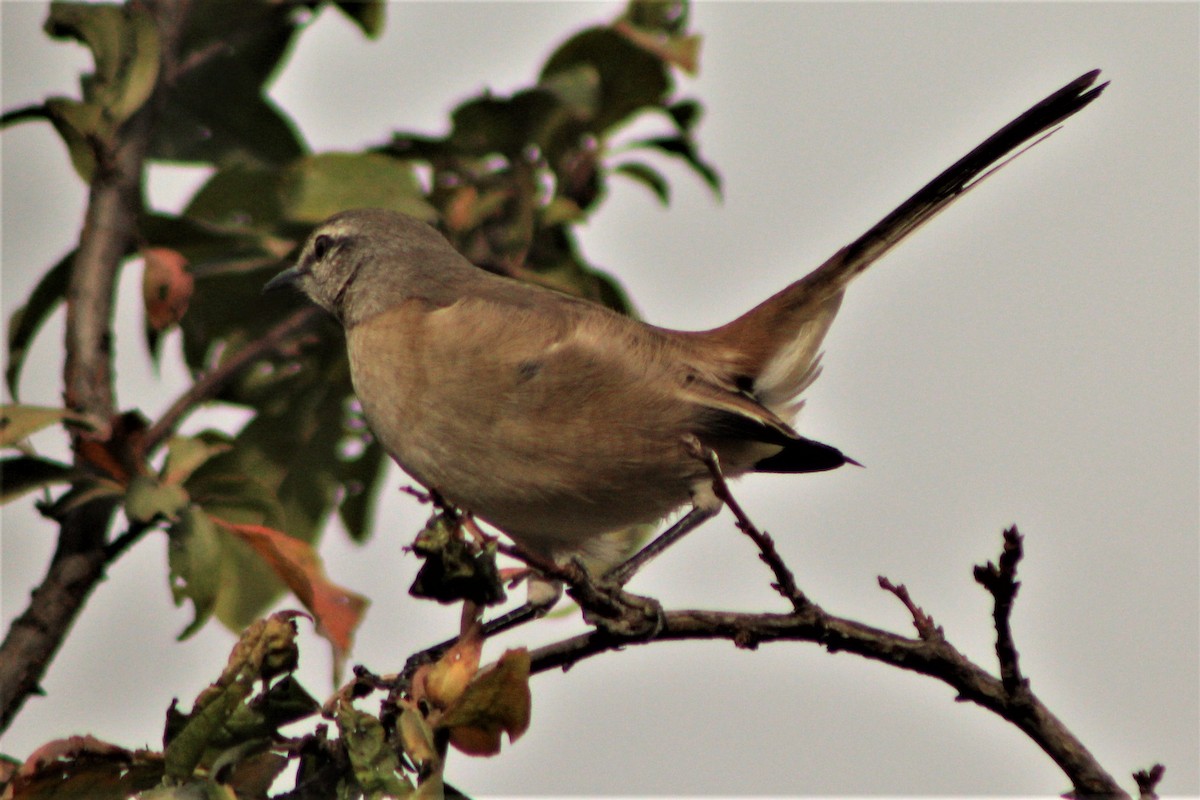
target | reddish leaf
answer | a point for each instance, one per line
(337, 611)
(84, 766)
(166, 286)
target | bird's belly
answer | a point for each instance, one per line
(550, 480)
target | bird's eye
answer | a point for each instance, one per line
(321, 246)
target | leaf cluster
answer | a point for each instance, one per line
(232, 742)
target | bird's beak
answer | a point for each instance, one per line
(289, 277)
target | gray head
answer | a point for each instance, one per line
(360, 262)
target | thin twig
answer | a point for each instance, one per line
(211, 383)
(926, 628)
(119, 545)
(785, 581)
(1147, 781)
(1001, 583)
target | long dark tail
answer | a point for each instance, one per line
(962, 176)
(782, 367)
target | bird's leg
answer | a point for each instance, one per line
(705, 505)
(700, 513)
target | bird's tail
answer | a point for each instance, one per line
(782, 367)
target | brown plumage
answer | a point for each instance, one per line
(560, 421)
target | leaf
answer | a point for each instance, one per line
(166, 287)
(683, 147)
(448, 678)
(416, 737)
(82, 494)
(337, 611)
(121, 453)
(318, 186)
(186, 454)
(19, 422)
(498, 701)
(84, 767)
(194, 557)
(24, 474)
(682, 51)
(368, 15)
(685, 114)
(217, 112)
(578, 87)
(266, 649)
(454, 569)
(25, 322)
(147, 500)
(663, 16)
(253, 777)
(125, 49)
(648, 177)
(78, 124)
(631, 79)
(238, 199)
(372, 757)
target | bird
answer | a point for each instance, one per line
(563, 423)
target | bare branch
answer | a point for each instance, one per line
(926, 628)
(930, 654)
(1001, 583)
(785, 581)
(1147, 781)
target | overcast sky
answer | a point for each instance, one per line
(1030, 357)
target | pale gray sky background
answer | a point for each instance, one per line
(1030, 357)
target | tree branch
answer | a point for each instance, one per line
(930, 654)
(109, 227)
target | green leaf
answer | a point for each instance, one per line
(683, 147)
(368, 15)
(686, 114)
(372, 757)
(578, 87)
(220, 718)
(317, 186)
(194, 556)
(18, 422)
(238, 199)
(648, 177)
(668, 16)
(82, 494)
(217, 112)
(486, 125)
(231, 487)
(185, 454)
(147, 500)
(78, 124)
(125, 47)
(28, 319)
(631, 79)
(24, 474)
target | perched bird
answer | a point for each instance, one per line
(561, 422)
